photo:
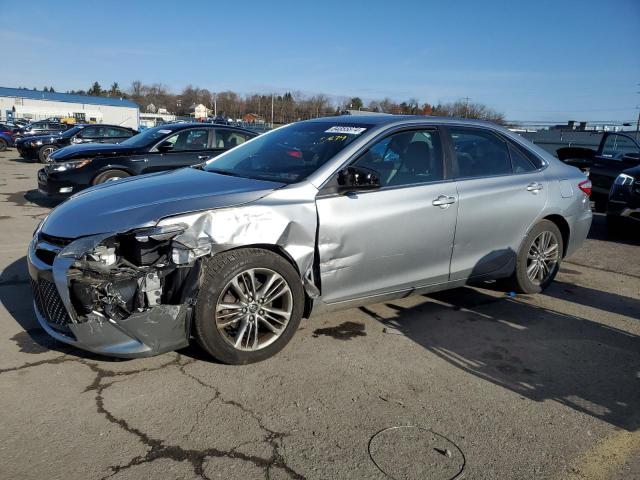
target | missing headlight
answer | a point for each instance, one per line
(103, 254)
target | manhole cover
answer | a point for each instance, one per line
(407, 453)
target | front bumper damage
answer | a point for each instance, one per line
(100, 328)
(132, 294)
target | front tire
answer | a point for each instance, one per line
(44, 152)
(249, 305)
(539, 258)
(110, 176)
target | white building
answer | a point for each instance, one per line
(200, 111)
(38, 105)
(150, 120)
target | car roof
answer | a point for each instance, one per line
(388, 119)
(182, 126)
(100, 125)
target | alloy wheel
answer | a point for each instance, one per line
(46, 154)
(254, 309)
(542, 257)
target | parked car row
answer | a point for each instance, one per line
(78, 166)
(236, 250)
(40, 147)
(43, 127)
(13, 130)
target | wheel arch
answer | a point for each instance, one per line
(111, 167)
(564, 228)
(279, 250)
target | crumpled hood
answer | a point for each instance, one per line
(87, 150)
(138, 201)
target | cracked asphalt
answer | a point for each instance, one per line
(536, 386)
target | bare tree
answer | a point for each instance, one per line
(291, 106)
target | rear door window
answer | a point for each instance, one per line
(519, 161)
(118, 132)
(226, 139)
(480, 153)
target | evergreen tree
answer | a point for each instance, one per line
(95, 90)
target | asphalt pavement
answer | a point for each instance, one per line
(472, 382)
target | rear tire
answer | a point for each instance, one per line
(539, 258)
(110, 176)
(3, 145)
(225, 317)
(44, 152)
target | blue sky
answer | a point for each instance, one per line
(532, 60)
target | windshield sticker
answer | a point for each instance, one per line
(165, 131)
(336, 138)
(346, 130)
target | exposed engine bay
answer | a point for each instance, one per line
(128, 273)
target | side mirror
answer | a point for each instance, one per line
(165, 147)
(358, 178)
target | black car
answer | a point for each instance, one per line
(166, 147)
(617, 152)
(623, 207)
(43, 127)
(41, 146)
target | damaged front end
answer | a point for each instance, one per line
(132, 294)
(118, 295)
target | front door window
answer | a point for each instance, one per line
(406, 158)
(189, 140)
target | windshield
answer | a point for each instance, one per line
(148, 137)
(288, 154)
(71, 132)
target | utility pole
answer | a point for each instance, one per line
(272, 95)
(215, 104)
(466, 107)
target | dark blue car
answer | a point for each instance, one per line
(6, 140)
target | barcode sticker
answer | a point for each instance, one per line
(346, 130)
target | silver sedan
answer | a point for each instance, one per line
(318, 215)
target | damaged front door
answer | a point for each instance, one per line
(397, 237)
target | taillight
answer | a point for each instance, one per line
(585, 186)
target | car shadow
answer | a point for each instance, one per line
(629, 235)
(19, 159)
(605, 301)
(40, 199)
(536, 352)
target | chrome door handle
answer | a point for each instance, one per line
(534, 187)
(203, 157)
(443, 201)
